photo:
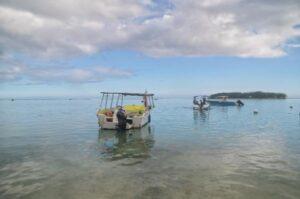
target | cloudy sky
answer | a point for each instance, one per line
(170, 47)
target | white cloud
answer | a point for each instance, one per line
(65, 28)
(232, 28)
(12, 72)
(293, 45)
(190, 28)
(75, 75)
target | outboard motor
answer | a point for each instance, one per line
(121, 119)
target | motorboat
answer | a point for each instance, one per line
(113, 114)
(222, 101)
(201, 104)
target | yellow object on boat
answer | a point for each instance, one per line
(134, 108)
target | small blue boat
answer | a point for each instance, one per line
(221, 101)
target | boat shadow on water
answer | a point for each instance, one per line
(200, 115)
(130, 144)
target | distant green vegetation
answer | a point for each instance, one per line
(250, 95)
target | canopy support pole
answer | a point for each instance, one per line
(106, 101)
(117, 103)
(152, 101)
(112, 99)
(101, 100)
(122, 98)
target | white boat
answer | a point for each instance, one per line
(223, 101)
(136, 116)
(204, 107)
(202, 104)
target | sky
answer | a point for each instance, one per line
(77, 48)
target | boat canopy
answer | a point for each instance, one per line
(130, 94)
(108, 99)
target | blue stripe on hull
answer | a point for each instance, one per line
(221, 103)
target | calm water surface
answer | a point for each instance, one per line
(54, 149)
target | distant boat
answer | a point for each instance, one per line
(202, 104)
(221, 101)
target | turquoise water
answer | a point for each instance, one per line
(54, 149)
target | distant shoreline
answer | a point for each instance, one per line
(166, 98)
(250, 95)
(160, 97)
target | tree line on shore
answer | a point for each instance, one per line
(250, 95)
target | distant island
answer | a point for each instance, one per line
(250, 95)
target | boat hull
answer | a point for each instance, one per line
(132, 122)
(221, 103)
(205, 107)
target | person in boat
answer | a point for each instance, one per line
(121, 115)
(195, 101)
(239, 103)
(204, 100)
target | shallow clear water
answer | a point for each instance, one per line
(54, 149)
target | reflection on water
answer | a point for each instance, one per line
(201, 115)
(134, 143)
(54, 149)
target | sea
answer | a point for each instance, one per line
(54, 148)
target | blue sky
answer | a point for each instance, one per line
(169, 48)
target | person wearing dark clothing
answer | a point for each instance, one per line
(201, 104)
(240, 103)
(195, 101)
(121, 115)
